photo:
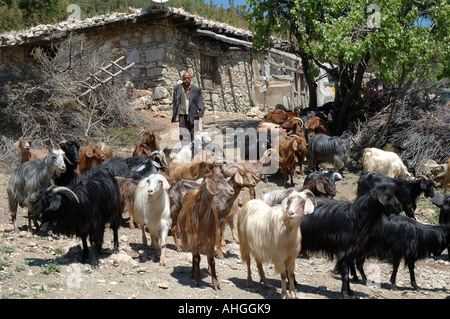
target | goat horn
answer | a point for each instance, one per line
(68, 161)
(63, 188)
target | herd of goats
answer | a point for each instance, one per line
(194, 194)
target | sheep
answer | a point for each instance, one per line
(332, 149)
(198, 221)
(83, 209)
(407, 192)
(28, 179)
(93, 155)
(443, 202)
(384, 162)
(27, 153)
(71, 159)
(446, 181)
(320, 187)
(401, 237)
(272, 234)
(149, 144)
(204, 160)
(331, 175)
(152, 209)
(342, 229)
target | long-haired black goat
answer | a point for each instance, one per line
(407, 192)
(341, 229)
(83, 210)
(71, 159)
(401, 237)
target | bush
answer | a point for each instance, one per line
(44, 102)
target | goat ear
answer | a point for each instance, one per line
(89, 152)
(165, 183)
(320, 187)
(55, 204)
(16, 145)
(285, 205)
(238, 178)
(308, 207)
(212, 187)
(382, 196)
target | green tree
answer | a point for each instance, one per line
(348, 34)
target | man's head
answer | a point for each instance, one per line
(186, 78)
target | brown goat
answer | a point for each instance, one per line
(198, 222)
(228, 206)
(27, 153)
(446, 182)
(93, 155)
(127, 188)
(300, 152)
(204, 160)
(149, 144)
(320, 187)
(278, 116)
(287, 159)
(317, 125)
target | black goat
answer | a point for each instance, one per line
(331, 175)
(401, 237)
(135, 167)
(342, 229)
(406, 192)
(141, 167)
(71, 159)
(83, 210)
(443, 202)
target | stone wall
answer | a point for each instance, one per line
(162, 53)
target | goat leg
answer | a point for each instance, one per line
(85, 254)
(249, 271)
(220, 240)
(233, 231)
(261, 274)
(212, 267)
(283, 285)
(144, 237)
(116, 238)
(412, 276)
(394, 274)
(174, 230)
(291, 280)
(196, 267)
(360, 266)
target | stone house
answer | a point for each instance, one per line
(165, 42)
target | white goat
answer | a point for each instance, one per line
(384, 162)
(272, 234)
(201, 139)
(152, 209)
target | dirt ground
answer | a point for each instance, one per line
(41, 266)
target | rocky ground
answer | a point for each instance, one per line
(46, 266)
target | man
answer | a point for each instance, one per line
(187, 105)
